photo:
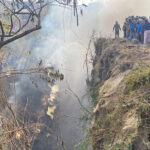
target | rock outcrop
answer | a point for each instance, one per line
(120, 88)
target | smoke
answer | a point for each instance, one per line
(63, 45)
(119, 10)
(60, 43)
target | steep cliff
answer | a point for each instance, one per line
(120, 88)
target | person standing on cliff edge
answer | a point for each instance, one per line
(116, 28)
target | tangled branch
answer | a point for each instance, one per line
(24, 17)
(17, 132)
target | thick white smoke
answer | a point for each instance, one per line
(119, 10)
(63, 45)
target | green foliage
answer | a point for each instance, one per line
(137, 78)
(143, 107)
(98, 123)
(86, 117)
(48, 135)
(110, 131)
(116, 147)
(94, 92)
(85, 143)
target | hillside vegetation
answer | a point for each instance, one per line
(120, 88)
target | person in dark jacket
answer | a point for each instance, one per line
(145, 32)
(116, 28)
(125, 29)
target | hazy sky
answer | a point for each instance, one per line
(86, 1)
(112, 10)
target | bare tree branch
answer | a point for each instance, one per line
(77, 97)
(24, 17)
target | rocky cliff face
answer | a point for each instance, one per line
(121, 94)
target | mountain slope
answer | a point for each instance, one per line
(120, 88)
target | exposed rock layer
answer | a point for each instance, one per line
(120, 91)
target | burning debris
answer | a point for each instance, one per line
(51, 101)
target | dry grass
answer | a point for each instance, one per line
(122, 115)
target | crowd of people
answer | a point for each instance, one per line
(135, 28)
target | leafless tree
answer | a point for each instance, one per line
(17, 130)
(17, 133)
(24, 17)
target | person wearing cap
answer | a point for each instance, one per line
(116, 28)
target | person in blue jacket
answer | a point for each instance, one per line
(132, 26)
(141, 23)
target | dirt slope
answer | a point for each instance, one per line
(121, 94)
